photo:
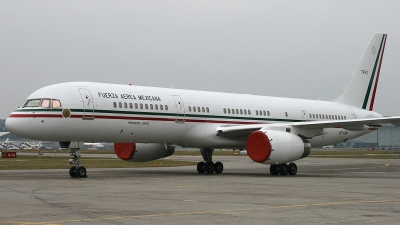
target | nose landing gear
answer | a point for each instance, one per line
(78, 170)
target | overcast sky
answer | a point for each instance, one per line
(298, 49)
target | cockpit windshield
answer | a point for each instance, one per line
(44, 102)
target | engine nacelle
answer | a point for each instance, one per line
(276, 147)
(143, 152)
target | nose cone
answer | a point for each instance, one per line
(18, 124)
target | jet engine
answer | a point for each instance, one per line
(276, 147)
(143, 152)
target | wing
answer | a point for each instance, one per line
(306, 129)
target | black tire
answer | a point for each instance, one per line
(210, 167)
(218, 167)
(201, 167)
(292, 168)
(72, 171)
(80, 171)
(273, 169)
(283, 169)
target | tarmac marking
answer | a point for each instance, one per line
(358, 168)
(202, 212)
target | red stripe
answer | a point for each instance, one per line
(371, 106)
(33, 115)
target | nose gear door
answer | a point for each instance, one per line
(88, 105)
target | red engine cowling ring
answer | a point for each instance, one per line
(124, 151)
(258, 146)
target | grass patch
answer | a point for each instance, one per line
(46, 162)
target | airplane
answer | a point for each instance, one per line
(94, 145)
(8, 145)
(146, 123)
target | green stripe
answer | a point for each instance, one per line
(194, 116)
(372, 77)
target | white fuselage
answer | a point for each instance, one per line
(124, 113)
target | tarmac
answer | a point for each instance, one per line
(325, 191)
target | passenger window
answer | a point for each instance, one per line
(245, 112)
(229, 111)
(141, 106)
(207, 109)
(256, 112)
(120, 104)
(249, 112)
(166, 107)
(203, 109)
(264, 113)
(151, 106)
(56, 103)
(126, 105)
(241, 112)
(156, 106)
(46, 103)
(198, 109)
(233, 111)
(161, 107)
(115, 104)
(136, 105)
(286, 114)
(130, 105)
(237, 111)
(146, 106)
(224, 111)
(194, 109)
(190, 109)
(268, 113)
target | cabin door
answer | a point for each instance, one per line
(88, 105)
(180, 109)
(303, 115)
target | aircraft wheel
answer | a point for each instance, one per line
(210, 167)
(274, 170)
(219, 167)
(283, 169)
(292, 168)
(201, 167)
(81, 171)
(72, 171)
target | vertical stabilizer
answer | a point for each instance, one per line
(361, 88)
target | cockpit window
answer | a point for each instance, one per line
(32, 103)
(46, 103)
(56, 103)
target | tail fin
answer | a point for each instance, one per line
(361, 88)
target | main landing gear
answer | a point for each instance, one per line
(283, 169)
(78, 170)
(209, 166)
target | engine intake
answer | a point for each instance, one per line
(143, 152)
(276, 147)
